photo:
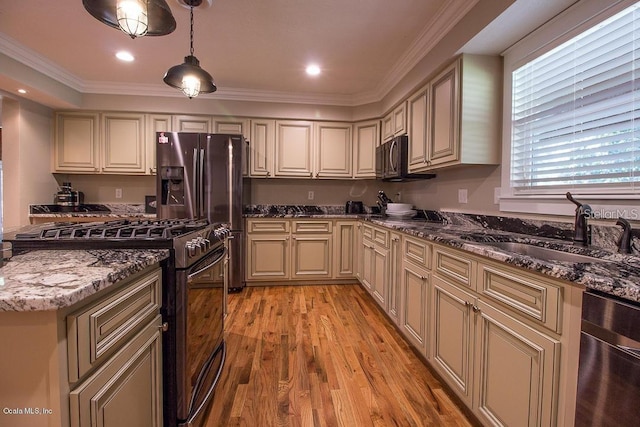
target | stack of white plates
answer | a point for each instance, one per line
(402, 214)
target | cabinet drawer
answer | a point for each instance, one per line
(417, 252)
(367, 232)
(381, 236)
(312, 226)
(262, 226)
(454, 266)
(532, 296)
(100, 329)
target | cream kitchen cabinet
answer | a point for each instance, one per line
(110, 143)
(496, 338)
(294, 148)
(375, 262)
(262, 148)
(455, 119)
(359, 252)
(311, 249)
(96, 363)
(124, 146)
(299, 250)
(394, 288)
(186, 123)
(268, 250)
(345, 235)
(395, 123)
(366, 139)
(333, 149)
(155, 123)
(76, 142)
(415, 285)
(237, 126)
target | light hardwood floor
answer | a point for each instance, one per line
(322, 356)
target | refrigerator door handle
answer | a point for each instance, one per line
(201, 180)
(196, 183)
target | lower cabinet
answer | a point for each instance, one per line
(268, 257)
(395, 276)
(375, 263)
(415, 283)
(127, 389)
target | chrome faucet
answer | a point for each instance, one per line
(581, 229)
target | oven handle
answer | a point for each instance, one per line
(208, 266)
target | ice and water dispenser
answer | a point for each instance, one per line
(173, 185)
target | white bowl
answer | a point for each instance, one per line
(404, 214)
(399, 207)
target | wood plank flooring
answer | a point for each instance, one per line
(322, 356)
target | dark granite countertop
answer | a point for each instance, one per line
(53, 279)
(615, 274)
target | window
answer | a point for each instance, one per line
(575, 113)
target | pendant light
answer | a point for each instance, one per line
(188, 76)
(136, 18)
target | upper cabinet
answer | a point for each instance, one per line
(123, 144)
(293, 150)
(261, 148)
(366, 139)
(155, 123)
(232, 125)
(332, 150)
(76, 145)
(114, 143)
(455, 118)
(395, 123)
(202, 124)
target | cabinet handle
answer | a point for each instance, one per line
(423, 278)
(475, 308)
(164, 327)
(311, 174)
(268, 174)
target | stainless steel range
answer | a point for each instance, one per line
(193, 296)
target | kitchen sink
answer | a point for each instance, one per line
(544, 253)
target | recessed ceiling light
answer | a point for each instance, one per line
(124, 56)
(313, 70)
(22, 91)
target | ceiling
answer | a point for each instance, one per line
(251, 48)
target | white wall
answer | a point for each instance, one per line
(26, 156)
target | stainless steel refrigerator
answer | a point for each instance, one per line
(200, 176)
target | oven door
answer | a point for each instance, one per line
(200, 343)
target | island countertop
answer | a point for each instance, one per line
(52, 279)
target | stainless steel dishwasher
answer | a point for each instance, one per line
(609, 370)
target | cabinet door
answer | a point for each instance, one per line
(358, 252)
(333, 150)
(200, 124)
(294, 140)
(344, 260)
(311, 256)
(417, 129)
(400, 119)
(395, 270)
(380, 275)
(444, 117)
(367, 260)
(76, 142)
(261, 148)
(232, 125)
(452, 337)
(387, 127)
(127, 389)
(414, 298)
(267, 257)
(155, 123)
(367, 138)
(515, 378)
(123, 143)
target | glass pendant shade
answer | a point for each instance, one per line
(190, 78)
(135, 17)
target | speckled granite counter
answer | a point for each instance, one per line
(49, 280)
(104, 212)
(618, 275)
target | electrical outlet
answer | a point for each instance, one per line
(496, 196)
(311, 195)
(118, 193)
(399, 196)
(462, 195)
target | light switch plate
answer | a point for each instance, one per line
(462, 195)
(311, 195)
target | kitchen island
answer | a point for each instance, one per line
(81, 331)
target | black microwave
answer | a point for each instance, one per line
(392, 160)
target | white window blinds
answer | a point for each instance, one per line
(575, 112)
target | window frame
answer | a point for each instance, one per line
(563, 27)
